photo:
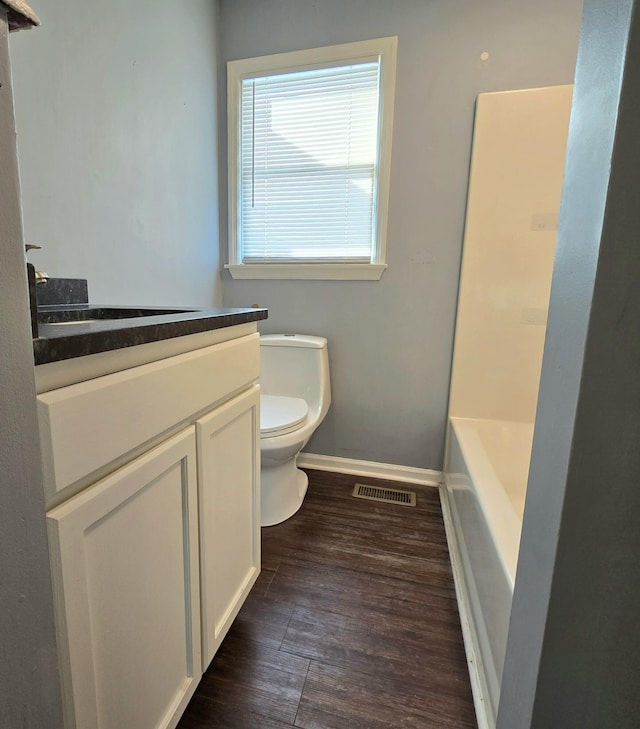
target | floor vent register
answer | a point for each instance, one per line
(387, 496)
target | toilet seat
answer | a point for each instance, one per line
(280, 414)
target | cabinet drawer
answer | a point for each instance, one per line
(89, 425)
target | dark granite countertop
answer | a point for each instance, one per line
(71, 339)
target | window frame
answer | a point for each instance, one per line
(384, 49)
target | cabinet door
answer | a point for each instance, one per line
(126, 581)
(229, 497)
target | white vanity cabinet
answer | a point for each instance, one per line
(124, 555)
(229, 476)
(152, 483)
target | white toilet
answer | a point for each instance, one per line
(296, 394)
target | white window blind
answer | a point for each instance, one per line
(308, 165)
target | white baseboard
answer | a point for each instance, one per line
(388, 471)
(479, 690)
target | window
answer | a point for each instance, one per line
(309, 162)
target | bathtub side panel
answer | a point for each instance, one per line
(487, 587)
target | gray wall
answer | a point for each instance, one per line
(573, 655)
(116, 118)
(29, 689)
(391, 341)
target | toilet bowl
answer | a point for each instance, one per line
(295, 397)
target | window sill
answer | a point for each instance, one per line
(300, 271)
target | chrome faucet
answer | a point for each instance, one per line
(41, 276)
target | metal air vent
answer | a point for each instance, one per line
(387, 496)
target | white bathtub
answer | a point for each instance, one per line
(486, 471)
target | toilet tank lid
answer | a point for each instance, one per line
(292, 340)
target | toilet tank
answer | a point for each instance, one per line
(296, 365)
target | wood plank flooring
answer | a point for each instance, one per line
(352, 624)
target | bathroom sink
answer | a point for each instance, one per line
(79, 315)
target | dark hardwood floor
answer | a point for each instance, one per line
(352, 624)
